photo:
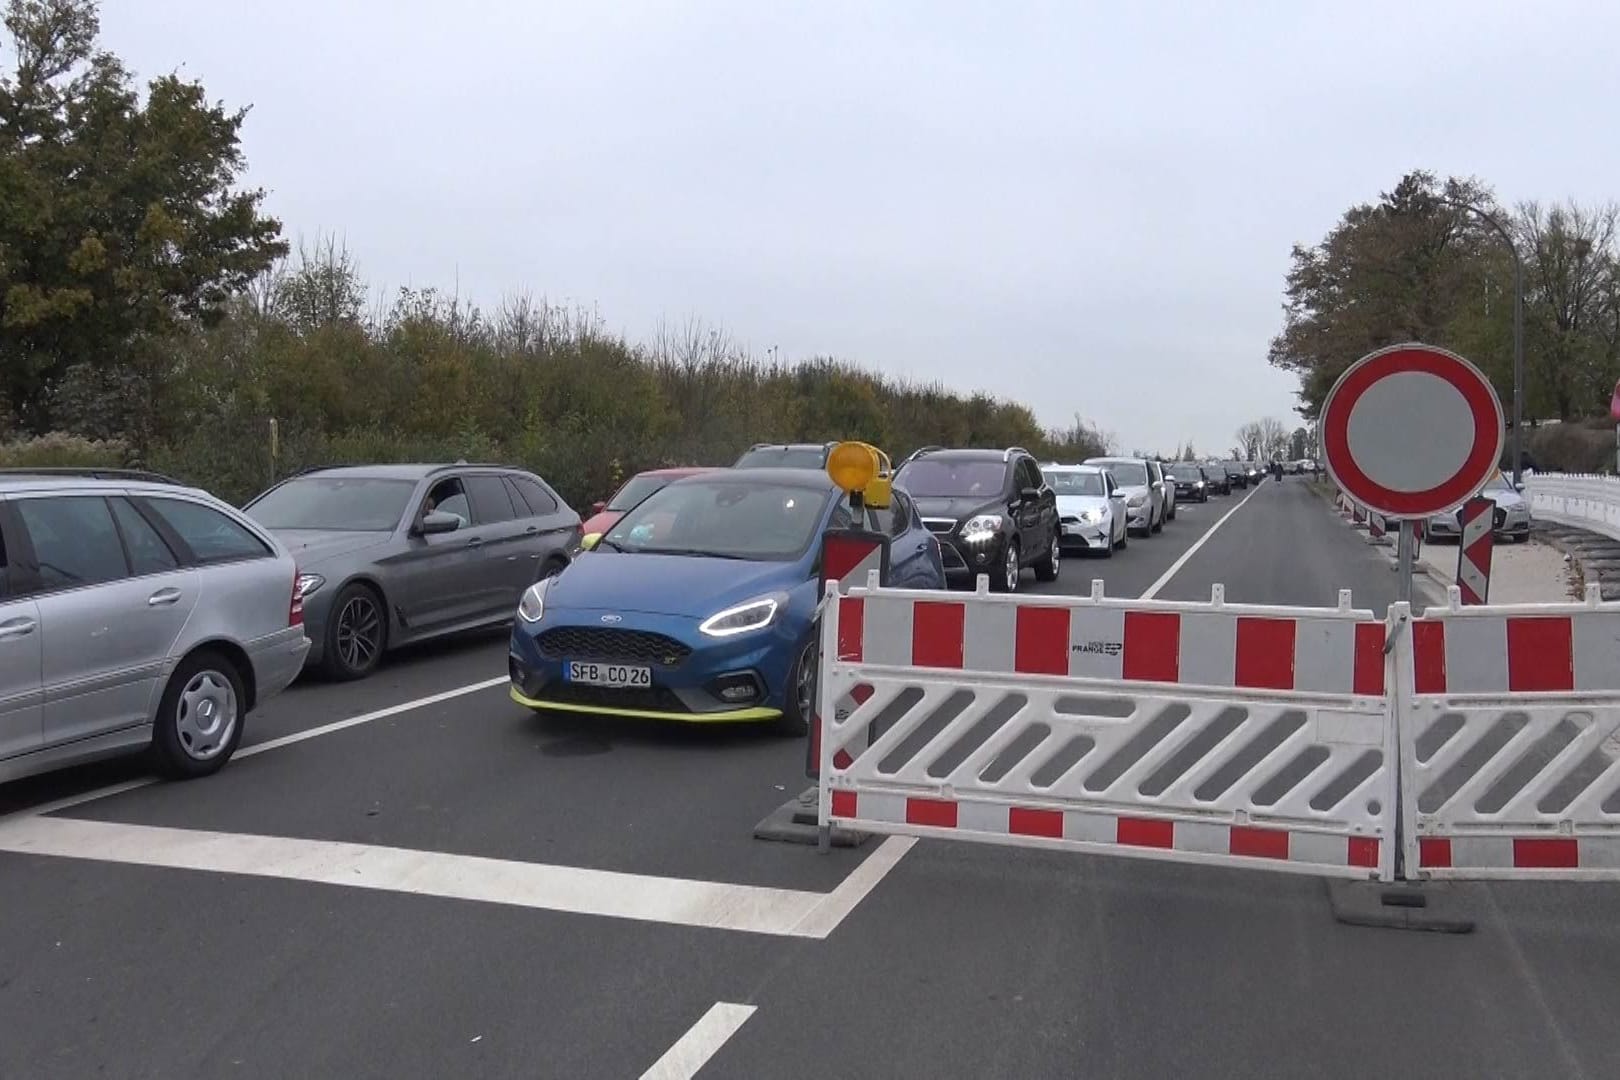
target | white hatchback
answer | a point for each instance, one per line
(1091, 508)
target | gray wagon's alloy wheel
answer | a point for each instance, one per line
(356, 634)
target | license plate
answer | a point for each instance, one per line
(619, 675)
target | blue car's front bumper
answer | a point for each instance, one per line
(691, 671)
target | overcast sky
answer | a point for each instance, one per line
(1086, 207)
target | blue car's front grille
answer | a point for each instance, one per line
(605, 643)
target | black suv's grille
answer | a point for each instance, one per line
(603, 643)
(644, 699)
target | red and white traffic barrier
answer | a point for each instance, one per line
(1474, 550)
(1215, 733)
(1214, 644)
(1509, 723)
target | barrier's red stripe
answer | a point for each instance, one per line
(1434, 852)
(1363, 851)
(1152, 646)
(844, 804)
(1547, 853)
(1540, 654)
(1368, 677)
(1258, 843)
(851, 629)
(1265, 653)
(1144, 832)
(940, 813)
(1429, 658)
(936, 634)
(1041, 641)
(1025, 822)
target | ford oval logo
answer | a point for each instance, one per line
(613, 618)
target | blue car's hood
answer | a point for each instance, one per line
(667, 584)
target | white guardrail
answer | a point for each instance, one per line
(1479, 742)
(1584, 501)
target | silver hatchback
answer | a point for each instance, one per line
(136, 614)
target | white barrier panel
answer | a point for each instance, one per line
(1584, 501)
(1509, 721)
(1215, 733)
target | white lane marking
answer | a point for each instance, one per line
(271, 744)
(675, 901)
(835, 906)
(366, 718)
(693, 1050)
(1153, 589)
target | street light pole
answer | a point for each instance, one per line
(1518, 331)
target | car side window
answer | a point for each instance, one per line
(539, 499)
(147, 551)
(1029, 476)
(490, 501)
(5, 567)
(211, 536)
(841, 517)
(448, 497)
(75, 541)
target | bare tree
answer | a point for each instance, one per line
(1251, 439)
(1273, 439)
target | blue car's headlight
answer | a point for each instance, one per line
(742, 618)
(532, 608)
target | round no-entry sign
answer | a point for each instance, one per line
(1411, 430)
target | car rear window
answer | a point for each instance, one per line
(490, 501)
(211, 536)
(539, 499)
(148, 553)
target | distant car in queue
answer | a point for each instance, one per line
(1189, 480)
(1510, 517)
(1091, 509)
(698, 605)
(632, 492)
(785, 456)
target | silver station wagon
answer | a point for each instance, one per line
(136, 614)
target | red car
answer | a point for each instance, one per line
(635, 489)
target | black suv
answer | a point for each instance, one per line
(991, 511)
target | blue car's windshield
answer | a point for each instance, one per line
(726, 518)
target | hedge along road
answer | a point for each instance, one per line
(960, 961)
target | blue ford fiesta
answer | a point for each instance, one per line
(698, 604)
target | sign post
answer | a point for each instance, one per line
(1408, 432)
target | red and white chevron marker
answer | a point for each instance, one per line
(1474, 550)
(1375, 527)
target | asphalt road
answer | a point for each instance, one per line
(357, 899)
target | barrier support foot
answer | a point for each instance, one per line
(795, 822)
(1402, 905)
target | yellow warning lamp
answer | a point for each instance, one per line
(863, 471)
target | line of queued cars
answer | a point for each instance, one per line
(137, 612)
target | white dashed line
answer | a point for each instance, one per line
(694, 1049)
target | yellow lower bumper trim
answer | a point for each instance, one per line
(731, 716)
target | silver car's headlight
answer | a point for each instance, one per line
(308, 583)
(1136, 500)
(742, 618)
(532, 608)
(1091, 516)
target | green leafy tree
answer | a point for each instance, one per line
(120, 217)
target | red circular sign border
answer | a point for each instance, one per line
(1483, 458)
